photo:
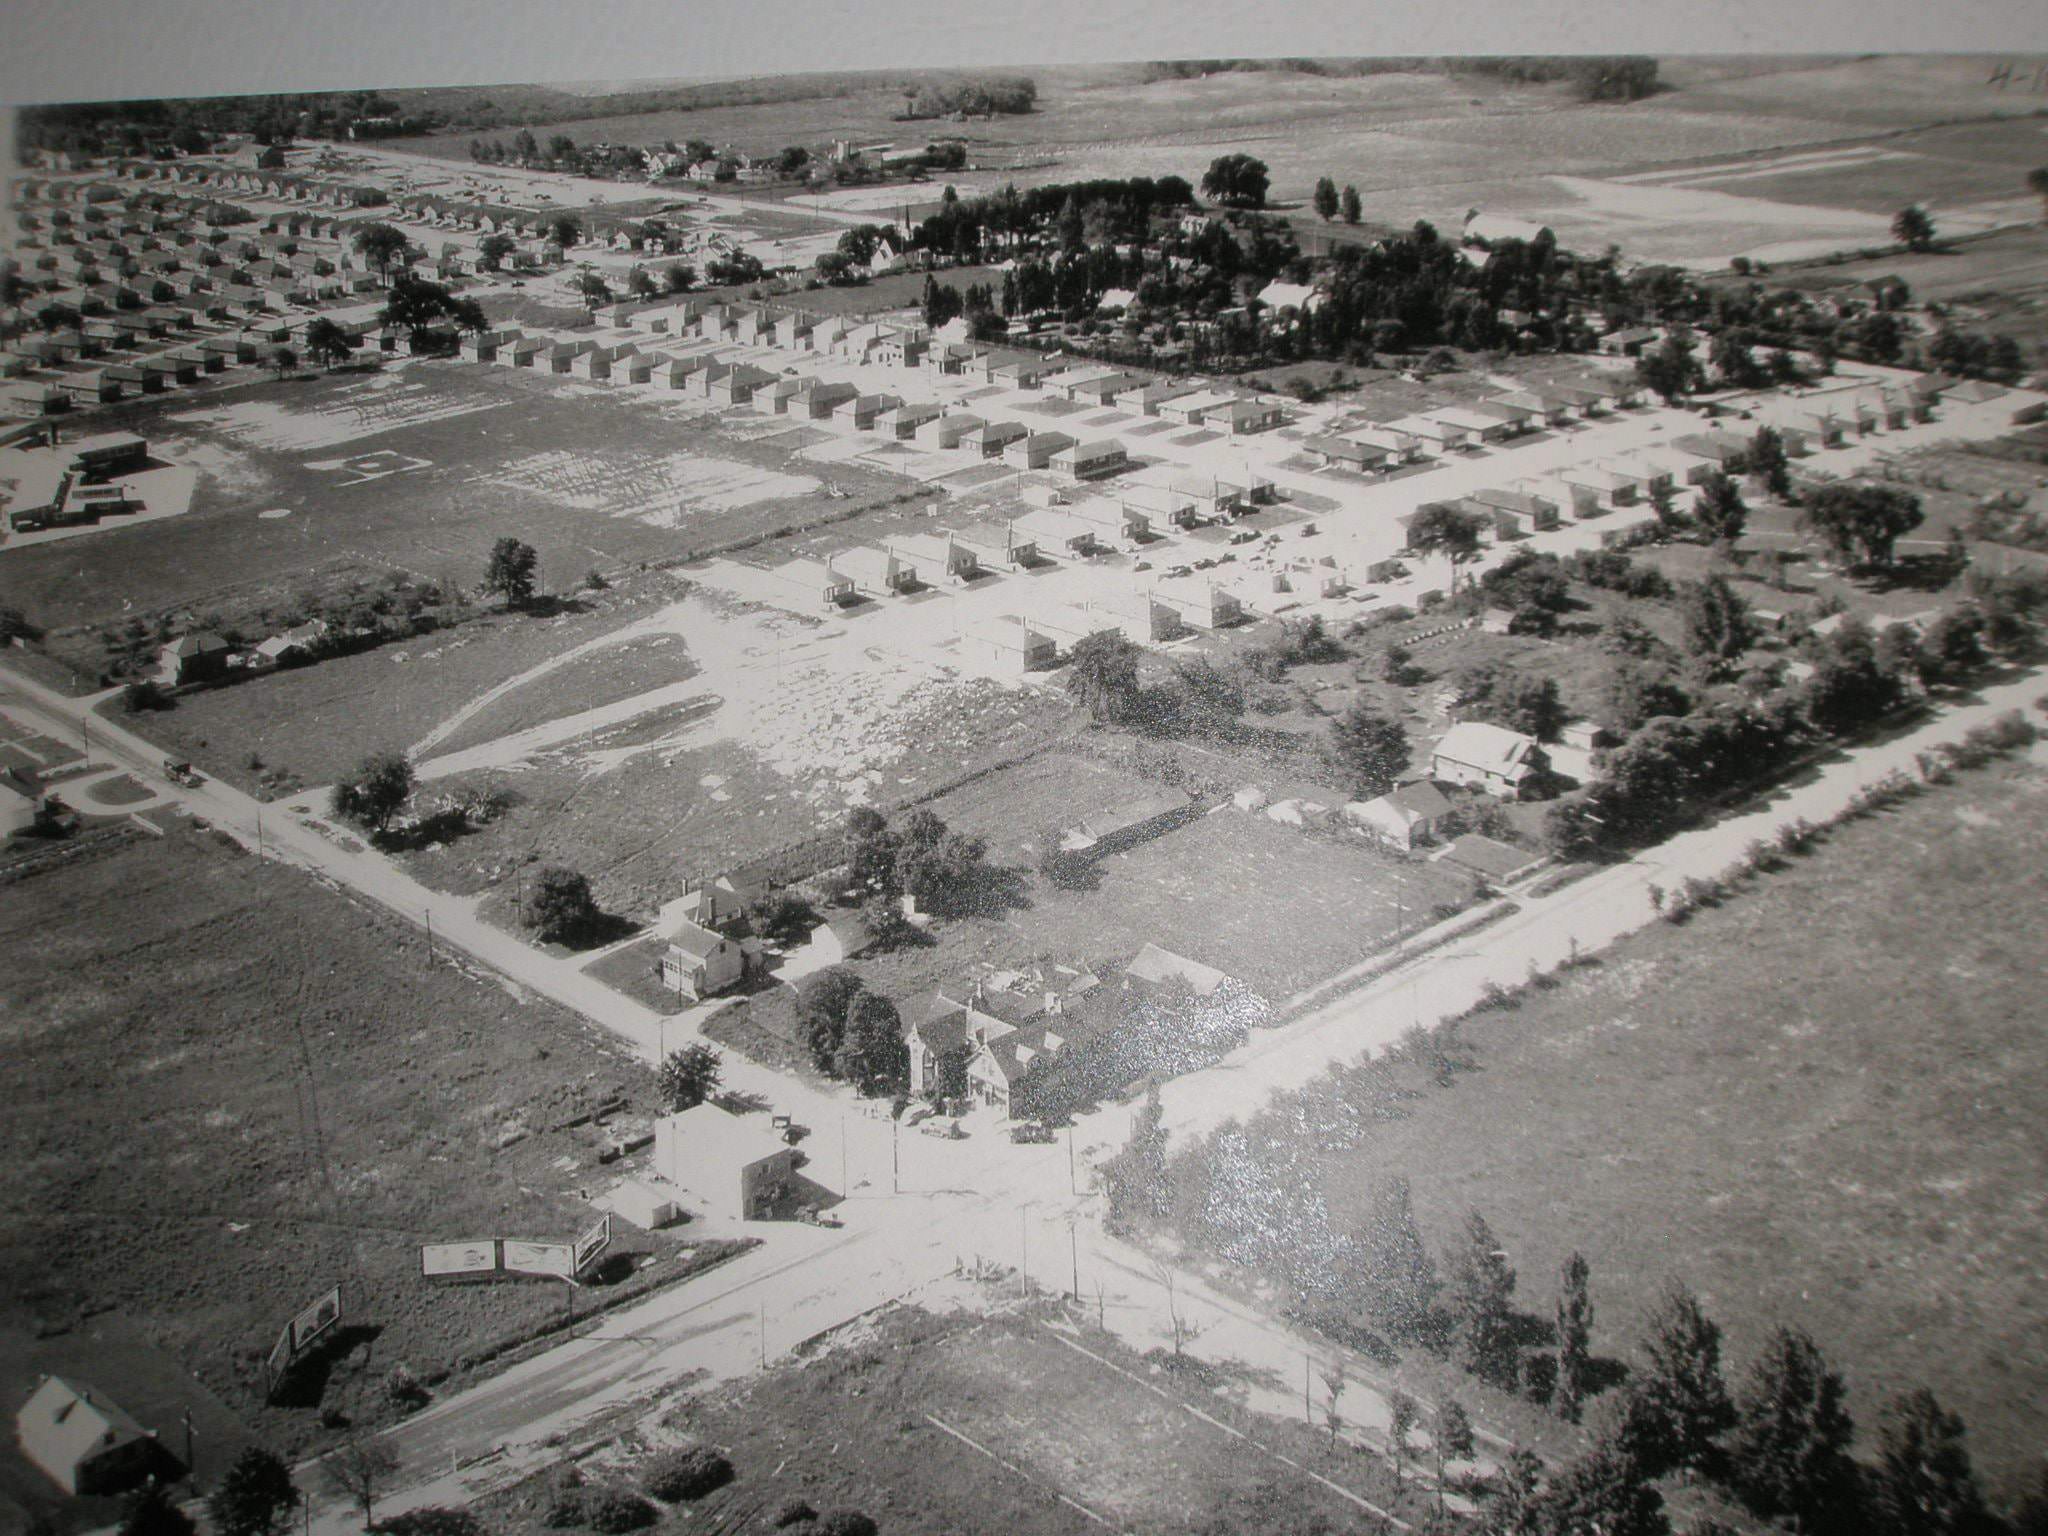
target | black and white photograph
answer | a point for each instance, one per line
(864, 772)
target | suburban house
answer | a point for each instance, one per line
(1014, 645)
(1006, 548)
(992, 438)
(937, 552)
(876, 572)
(947, 431)
(195, 658)
(736, 1167)
(1088, 461)
(816, 583)
(1593, 489)
(999, 1028)
(86, 1444)
(1036, 450)
(1402, 817)
(700, 962)
(1489, 757)
(717, 903)
(1201, 604)
(1485, 229)
(1146, 399)
(1059, 532)
(1240, 416)
(1539, 513)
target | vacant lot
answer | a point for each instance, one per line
(231, 1089)
(317, 722)
(1816, 1105)
(421, 468)
(1084, 1443)
(1274, 905)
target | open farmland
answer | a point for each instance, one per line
(1815, 1105)
(1022, 1422)
(422, 467)
(232, 1088)
(1414, 143)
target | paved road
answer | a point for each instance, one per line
(918, 1208)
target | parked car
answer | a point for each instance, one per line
(181, 773)
(1030, 1133)
(945, 1130)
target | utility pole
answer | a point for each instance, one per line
(430, 937)
(1023, 1253)
(1073, 1187)
(761, 1318)
(191, 1466)
(1308, 1412)
(895, 1162)
(844, 1188)
(1074, 1249)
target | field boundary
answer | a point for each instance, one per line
(975, 1445)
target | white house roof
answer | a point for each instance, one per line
(62, 1427)
(1299, 296)
(1156, 965)
(710, 1142)
(1494, 748)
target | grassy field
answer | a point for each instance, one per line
(1410, 141)
(233, 1088)
(1271, 904)
(317, 722)
(1815, 1105)
(421, 468)
(1085, 1440)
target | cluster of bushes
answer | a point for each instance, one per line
(857, 1035)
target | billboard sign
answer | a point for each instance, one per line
(279, 1359)
(441, 1261)
(591, 1244)
(555, 1261)
(316, 1320)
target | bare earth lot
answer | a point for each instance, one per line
(422, 467)
(231, 1088)
(1086, 1440)
(1815, 1105)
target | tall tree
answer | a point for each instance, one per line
(871, 851)
(1788, 1455)
(1440, 528)
(1574, 1338)
(1912, 227)
(559, 906)
(360, 1469)
(1237, 179)
(1603, 1493)
(1481, 1302)
(2037, 183)
(1353, 208)
(255, 1496)
(1680, 1384)
(1861, 521)
(380, 245)
(872, 1056)
(327, 343)
(1137, 1175)
(689, 1076)
(510, 571)
(1720, 511)
(1767, 462)
(1399, 1279)
(376, 792)
(1370, 749)
(1325, 199)
(1717, 622)
(1670, 369)
(1924, 1484)
(1102, 674)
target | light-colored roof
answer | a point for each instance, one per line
(697, 942)
(1495, 748)
(1154, 964)
(711, 1140)
(63, 1426)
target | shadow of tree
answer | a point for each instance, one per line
(305, 1379)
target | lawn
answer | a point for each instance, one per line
(1816, 1105)
(315, 723)
(233, 1088)
(1274, 905)
(902, 1416)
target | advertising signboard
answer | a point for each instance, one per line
(592, 1243)
(440, 1261)
(316, 1320)
(556, 1261)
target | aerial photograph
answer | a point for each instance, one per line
(1225, 795)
